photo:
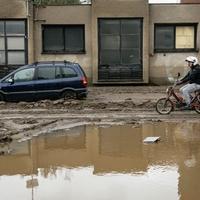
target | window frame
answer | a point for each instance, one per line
(174, 49)
(5, 38)
(63, 26)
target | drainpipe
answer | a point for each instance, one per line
(30, 30)
(27, 8)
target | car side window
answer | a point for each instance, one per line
(46, 72)
(68, 72)
(24, 75)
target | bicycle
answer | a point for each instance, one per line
(173, 100)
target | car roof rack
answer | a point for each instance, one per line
(53, 62)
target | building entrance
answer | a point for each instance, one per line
(120, 50)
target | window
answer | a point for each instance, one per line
(46, 72)
(172, 38)
(63, 39)
(12, 42)
(24, 75)
(120, 41)
(68, 72)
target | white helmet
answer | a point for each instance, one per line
(192, 59)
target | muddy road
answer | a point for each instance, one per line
(104, 105)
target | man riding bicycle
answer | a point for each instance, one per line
(192, 78)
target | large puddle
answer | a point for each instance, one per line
(105, 163)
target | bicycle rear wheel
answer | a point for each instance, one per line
(164, 106)
(197, 104)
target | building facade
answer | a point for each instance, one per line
(115, 41)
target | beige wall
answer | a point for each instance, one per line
(164, 66)
(117, 9)
(13, 9)
(64, 15)
(190, 1)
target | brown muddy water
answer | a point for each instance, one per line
(105, 163)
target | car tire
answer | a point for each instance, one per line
(69, 94)
(1, 97)
(81, 97)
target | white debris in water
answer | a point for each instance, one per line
(151, 139)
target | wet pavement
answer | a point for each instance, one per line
(105, 163)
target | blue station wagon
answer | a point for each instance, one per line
(44, 80)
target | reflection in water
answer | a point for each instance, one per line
(105, 163)
(81, 183)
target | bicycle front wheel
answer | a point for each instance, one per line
(164, 106)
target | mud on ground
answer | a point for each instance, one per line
(104, 105)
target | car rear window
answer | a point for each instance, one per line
(68, 72)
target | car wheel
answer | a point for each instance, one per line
(81, 97)
(69, 94)
(1, 97)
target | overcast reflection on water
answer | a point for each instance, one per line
(105, 163)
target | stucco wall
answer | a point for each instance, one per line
(13, 9)
(64, 15)
(190, 1)
(120, 9)
(164, 66)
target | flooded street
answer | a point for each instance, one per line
(105, 163)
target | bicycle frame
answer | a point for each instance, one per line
(171, 93)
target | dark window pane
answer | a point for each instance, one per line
(47, 72)
(53, 39)
(110, 27)
(110, 42)
(15, 27)
(130, 26)
(130, 56)
(110, 57)
(130, 41)
(74, 40)
(1, 28)
(164, 37)
(67, 72)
